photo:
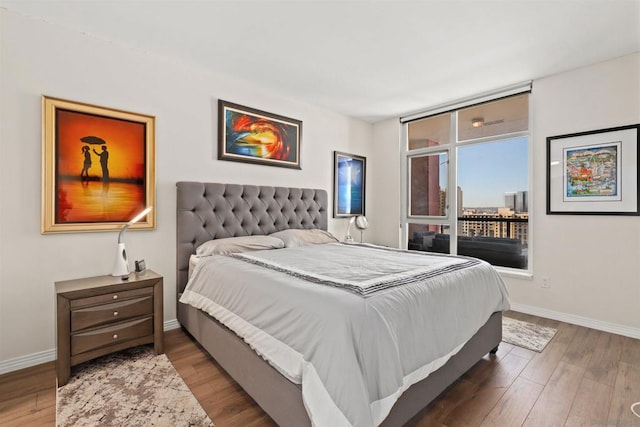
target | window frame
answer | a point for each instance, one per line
(451, 148)
(420, 153)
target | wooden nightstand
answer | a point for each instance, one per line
(100, 315)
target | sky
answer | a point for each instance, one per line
(125, 142)
(486, 171)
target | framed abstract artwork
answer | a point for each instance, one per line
(349, 183)
(594, 172)
(98, 167)
(252, 136)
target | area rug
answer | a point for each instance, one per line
(525, 334)
(133, 387)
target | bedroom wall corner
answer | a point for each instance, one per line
(591, 261)
(385, 184)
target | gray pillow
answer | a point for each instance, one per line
(296, 237)
(232, 245)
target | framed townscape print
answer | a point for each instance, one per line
(594, 172)
(98, 167)
(349, 173)
(253, 136)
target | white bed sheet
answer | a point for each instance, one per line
(353, 356)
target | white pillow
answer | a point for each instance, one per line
(232, 245)
(296, 237)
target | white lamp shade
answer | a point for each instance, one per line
(362, 223)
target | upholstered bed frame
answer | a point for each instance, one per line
(207, 211)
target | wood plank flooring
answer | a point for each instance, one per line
(583, 377)
(28, 396)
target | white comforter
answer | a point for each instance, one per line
(354, 352)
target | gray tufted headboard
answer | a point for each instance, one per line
(209, 211)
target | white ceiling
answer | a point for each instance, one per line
(366, 59)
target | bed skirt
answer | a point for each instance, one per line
(282, 399)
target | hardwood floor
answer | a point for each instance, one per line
(583, 377)
(28, 396)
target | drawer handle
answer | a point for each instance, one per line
(115, 297)
(115, 336)
(115, 313)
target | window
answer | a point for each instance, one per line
(428, 187)
(466, 181)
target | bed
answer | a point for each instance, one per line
(211, 211)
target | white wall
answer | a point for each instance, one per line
(37, 58)
(591, 261)
(384, 185)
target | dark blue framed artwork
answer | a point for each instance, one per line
(349, 183)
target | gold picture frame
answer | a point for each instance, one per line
(98, 167)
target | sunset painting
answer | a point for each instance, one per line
(100, 168)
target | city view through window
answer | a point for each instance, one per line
(494, 198)
(491, 200)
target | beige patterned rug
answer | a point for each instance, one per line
(133, 387)
(525, 334)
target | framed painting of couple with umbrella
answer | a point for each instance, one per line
(98, 167)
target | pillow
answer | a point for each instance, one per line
(296, 237)
(232, 245)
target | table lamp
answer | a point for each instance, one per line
(347, 237)
(121, 266)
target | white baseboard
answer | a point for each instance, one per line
(613, 328)
(27, 361)
(34, 359)
(171, 324)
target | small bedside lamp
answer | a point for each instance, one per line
(121, 266)
(347, 237)
(362, 223)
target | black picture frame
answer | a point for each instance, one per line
(349, 184)
(594, 172)
(249, 135)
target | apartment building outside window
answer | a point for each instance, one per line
(466, 180)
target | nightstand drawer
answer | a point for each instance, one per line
(109, 313)
(101, 337)
(110, 297)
